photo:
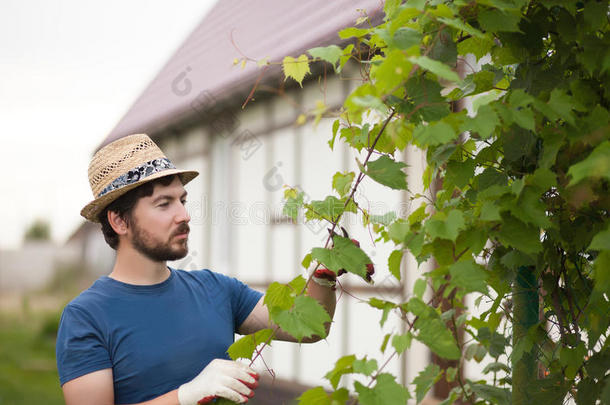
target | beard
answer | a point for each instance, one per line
(158, 251)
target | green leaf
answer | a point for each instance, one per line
(391, 72)
(402, 342)
(385, 392)
(425, 380)
(515, 259)
(353, 32)
(294, 201)
(601, 241)
(385, 306)
(469, 275)
(490, 212)
(445, 227)
(245, 346)
(516, 234)
(330, 54)
(519, 98)
(462, 26)
(587, 391)
(343, 365)
(342, 182)
(450, 374)
(340, 396)
(396, 135)
(438, 68)
(364, 366)
(601, 275)
(495, 367)
(297, 284)
(497, 21)
(529, 209)
(441, 10)
(398, 230)
(479, 47)
(605, 397)
(385, 219)
(384, 344)
(279, 296)
(424, 100)
(314, 396)
(562, 104)
(420, 287)
(343, 255)
(394, 263)
(524, 118)
(390, 7)
(543, 179)
(306, 318)
(329, 209)
(306, 261)
(485, 122)
(444, 48)
(433, 134)
(459, 174)
(348, 365)
(418, 215)
(434, 334)
(331, 141)
(404, 38)
(596, 165)
(370, 101)
(420, 309)
(296, 68)
(347, 54)
(388, 172)
(494, 395)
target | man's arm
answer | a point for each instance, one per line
(220, 378)
(97, 389)
(259, 317)
(94, 388)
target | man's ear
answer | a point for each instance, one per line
(117, 222)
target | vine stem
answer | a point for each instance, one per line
(351, 196)
(361, 176)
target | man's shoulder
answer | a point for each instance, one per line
(197, 274)
(92, 296)
(203, 276)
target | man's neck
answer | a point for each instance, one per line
(132, 267)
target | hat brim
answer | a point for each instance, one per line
(93, 209)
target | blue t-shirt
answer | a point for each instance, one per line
(154, 337)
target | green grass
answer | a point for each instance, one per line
(28, 374)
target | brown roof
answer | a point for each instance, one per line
(259, 28)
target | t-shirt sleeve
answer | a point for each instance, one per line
(80, 347)
(243, 300)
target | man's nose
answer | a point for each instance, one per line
(183, 214)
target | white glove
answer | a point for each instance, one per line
(221, 378)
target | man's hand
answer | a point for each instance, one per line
(328, 278)
(221, 378)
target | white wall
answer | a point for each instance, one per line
(32, 266)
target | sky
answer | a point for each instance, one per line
(69, 70)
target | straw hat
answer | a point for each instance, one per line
(124, 165)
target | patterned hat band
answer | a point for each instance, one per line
(138, 173)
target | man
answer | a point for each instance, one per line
(147, 333)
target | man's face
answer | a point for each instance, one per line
(159, 223)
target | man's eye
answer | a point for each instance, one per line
(163, 204)
(183, 202)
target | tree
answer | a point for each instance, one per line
(39, 230)
(517, 201)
